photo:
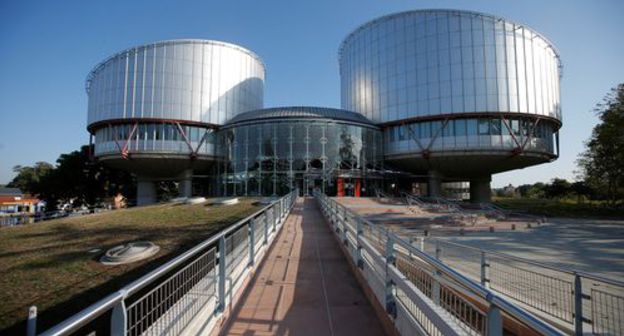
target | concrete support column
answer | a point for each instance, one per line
(185, 186)
(480, 191)
(146, 191)
(434, 183)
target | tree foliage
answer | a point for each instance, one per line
(28, 177)
(75, 179)
(602, 163)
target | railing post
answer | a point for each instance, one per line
(281, 202)
(494, 321)
(252, 240)
(119, 319)
(358, 239)
(438, 250)
(31, 327)
(390, 259)
(266, 229)
(222, 277)
(344, 231)
(485, 271)
(274, 218)
(578, 305)
(435, 286)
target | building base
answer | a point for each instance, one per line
(146, 191)
(480, 191)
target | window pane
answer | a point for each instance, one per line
(484, 127)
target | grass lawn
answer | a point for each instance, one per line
(560, 208)
(49, 265)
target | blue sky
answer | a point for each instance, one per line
(48, 47)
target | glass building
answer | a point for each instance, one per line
(429, 98)
(154, 109)
(458, 94)
(273, 151)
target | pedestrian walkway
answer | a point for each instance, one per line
(304, 286)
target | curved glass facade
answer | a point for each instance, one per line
(437, 62)
(154, 138)
(193, 80)
(276, 156)
(471, 134)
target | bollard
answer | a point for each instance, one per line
(422, 243)
(31, 328)
(491, 229)
(513, 226)
(528, 225)
(461, 232)
(426, 233)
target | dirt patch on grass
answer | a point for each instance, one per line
(52, 265)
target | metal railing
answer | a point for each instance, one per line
(579, 301)
(191, 291)
(421, 294)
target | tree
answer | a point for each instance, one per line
(557, 188)
(75, 179)
(582, 190)
(28, 177)
(602, 163)
(537, 190)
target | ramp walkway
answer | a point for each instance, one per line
(304, 286)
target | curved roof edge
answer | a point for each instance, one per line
(101, 64)
(444, 10)
(300, 112)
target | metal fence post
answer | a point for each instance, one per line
(578, 305)
(358, 240)
(252, 240)
(274, 218)
(119, 319)
(266, 229)
(281, 206)
(390, 258)
(435, 286)
(344, 231)
(438, 251)
(485, 271)
(494, 321)
(222, 278)
(31, 327)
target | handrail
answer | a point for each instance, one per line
(584, 274)
(93, 311)
(480, 291)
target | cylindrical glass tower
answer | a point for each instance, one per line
(458, 94)
(153, 109)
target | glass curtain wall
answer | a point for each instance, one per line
(274, 158)
(473, 134)
(154, 137)
(432, 62)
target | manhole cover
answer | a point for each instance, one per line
(128, 253)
